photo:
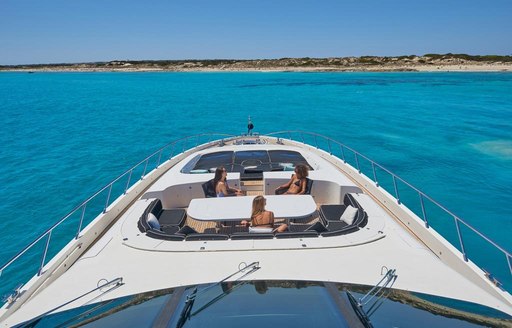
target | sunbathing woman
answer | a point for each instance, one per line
(221, 185)
(297, 184)
(261, 219)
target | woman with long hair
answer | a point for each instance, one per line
(261, 219)
(297, 184)
(221, 185)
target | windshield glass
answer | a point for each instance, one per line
(240, 161)
(275, 303)
(262, 303)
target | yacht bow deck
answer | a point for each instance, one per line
(147, 264)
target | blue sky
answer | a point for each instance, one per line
(57, 31)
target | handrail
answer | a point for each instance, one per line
(395, 177)
(83, 205)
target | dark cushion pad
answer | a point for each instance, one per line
(170, 229)
(165, 236)
(207, 236)
(173, 216)
(245, 235)
(303, 234)
(333, 225)
(332, 212)
(318, 227)
(186, 230)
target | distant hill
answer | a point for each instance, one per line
(364, 63)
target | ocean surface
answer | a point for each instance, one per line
(65, 135)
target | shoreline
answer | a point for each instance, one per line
(320, 69)
(426, 63)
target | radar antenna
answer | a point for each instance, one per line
(250, 126)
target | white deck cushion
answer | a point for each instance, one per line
(153, 221)
(349, 215)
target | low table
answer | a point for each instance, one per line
(239, 208)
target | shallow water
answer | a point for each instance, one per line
(64, 135)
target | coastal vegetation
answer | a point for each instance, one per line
(363, 63)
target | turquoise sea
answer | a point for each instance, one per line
(65, 135)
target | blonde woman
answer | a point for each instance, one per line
(261, 219)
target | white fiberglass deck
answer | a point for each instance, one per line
(320, 259)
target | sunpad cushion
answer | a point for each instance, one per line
(153, 221)
(186, 230)
(349, 215)
(318, 227)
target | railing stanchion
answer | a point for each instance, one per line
(357, 164)
(423, 210)
(81, 221)
(172, 150)
(302, 137)
(343, 154)
(316, 142)
(463, 250)
(108, 198)
(375, 175)
(396, 190)
(509, 263)
(329, 145)
(43, 259)
(145, 168)
(290, 135)
(159, 157)
(197, 141)
(128, 182)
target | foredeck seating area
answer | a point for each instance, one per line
(333, 220)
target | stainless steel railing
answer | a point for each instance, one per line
(185, 143)
(300, 137)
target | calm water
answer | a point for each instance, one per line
(64, 135)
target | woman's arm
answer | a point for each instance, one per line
(288, 184)
(233, 190)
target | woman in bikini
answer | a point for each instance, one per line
(221, 185)
(298, 182)
(261, 219)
